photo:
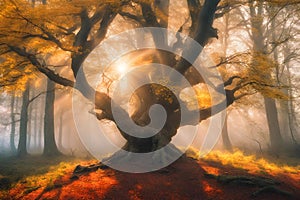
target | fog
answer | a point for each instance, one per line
(247, 123)
(247, 128)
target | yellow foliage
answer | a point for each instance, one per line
(203, 97)
(251, 163)
(271, 2)
(32, 29)
(197, 97)
(163, 93)
(14, 73)
(260, 73)
(256, 71)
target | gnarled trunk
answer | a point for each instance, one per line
(147, 98)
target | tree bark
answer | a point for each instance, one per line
(35, 125)
(50, 147)
(22, 147)
(29, 129)
(273, 124)
(60, 131)
(290, 103)
(146, 96)
(13, 124)
(40, 126)
(225, 136)
(282, 111)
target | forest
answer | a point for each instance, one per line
(149, 99)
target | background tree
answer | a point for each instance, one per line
(13, 123)
(50, 147)
(22, 146)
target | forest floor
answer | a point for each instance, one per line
(217, 176)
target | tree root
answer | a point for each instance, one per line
(79, 170)
(271, 189)
(130, 162)
(266, 185)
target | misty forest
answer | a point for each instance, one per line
(149, 99)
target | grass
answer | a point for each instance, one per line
(34, 171)
(252, 163)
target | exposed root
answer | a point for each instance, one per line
(143, 162)
(257, 181)
(266, 185)
(79, 170)
(271, 189)
(133, 162)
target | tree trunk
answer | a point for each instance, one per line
(273, 124)
(283, 118)
(13, 124)
(60, 131)
(290, 103)
(40, 126)
(35, 136)
(22, 148)
(146, 97)
(29, 129)
(50, 147)
(225, 137)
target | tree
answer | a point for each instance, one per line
(50, 147)
(13, 124)
(291, 109)
(278, 36)
(225, 135)
(60, 131)
(22, 146)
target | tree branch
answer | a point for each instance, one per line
(202, 33)
(40, 67)
(9, 123)
(133, 17)
(149, 15)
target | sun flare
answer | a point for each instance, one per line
(122, 68)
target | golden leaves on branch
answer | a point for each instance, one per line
(262, 76)
(197, 97)
(256, 72)
(14, 74)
